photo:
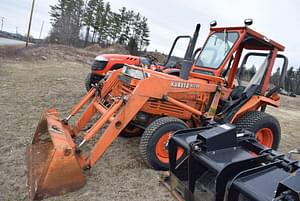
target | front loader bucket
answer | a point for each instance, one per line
(53, 165)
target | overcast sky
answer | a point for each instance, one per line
(277, 19)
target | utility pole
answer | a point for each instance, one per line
(29, 25)
(2, 19)
(41, 30)
(16, 30)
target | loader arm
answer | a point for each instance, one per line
(127, 112)
(55, 161)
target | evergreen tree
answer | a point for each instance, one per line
(115, 28)
(132, 46)
(98, 18)
(66, 21)
(275, 78)
(124, 27)
(104, 24)
(144, 42)
(289, 81)
(89, 17)
(298, 81)
(123, 23)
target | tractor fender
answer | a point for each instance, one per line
(253, 104)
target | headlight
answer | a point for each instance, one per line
(135, 73)
(99, 63)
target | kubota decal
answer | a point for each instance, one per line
(184, 85)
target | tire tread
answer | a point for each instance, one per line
(144, 142)
(249, 119)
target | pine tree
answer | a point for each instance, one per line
(289, 80)
(298, 81)
(123, 21)
(76, 11)
(104, 24)
(56, 12)
(115, 27)
(66, 21)
(98, 17)
(125, 27)
(275, 78)
(89, 17)
(144, 34)
(132, 46)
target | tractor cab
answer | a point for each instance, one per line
(243, 59)
(222, 52)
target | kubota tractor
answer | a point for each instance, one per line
(138, 101)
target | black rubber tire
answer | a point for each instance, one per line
(128, 134)
(151, 136)
(92, 79)
(255, 120)
(88, 82)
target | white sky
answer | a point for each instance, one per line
(277, 19)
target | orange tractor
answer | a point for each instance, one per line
(137, 101)
(104, 63)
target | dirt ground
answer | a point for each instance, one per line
(28, 87)
(288, 115)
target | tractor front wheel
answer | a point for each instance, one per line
(266, 127)
(131, 131)
(154, 142)
(91, 79)
(88, 84)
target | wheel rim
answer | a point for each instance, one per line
(265, 136)
(161, 149)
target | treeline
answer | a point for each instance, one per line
(292, 80)
(79, 24)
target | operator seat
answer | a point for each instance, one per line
(240, 94)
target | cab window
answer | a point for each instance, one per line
(216, 49)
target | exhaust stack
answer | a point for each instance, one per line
(188, 58)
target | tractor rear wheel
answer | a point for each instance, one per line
(266, 127)
(154, 142)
